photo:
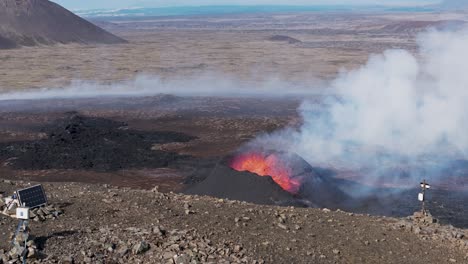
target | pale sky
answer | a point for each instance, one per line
(113, 4)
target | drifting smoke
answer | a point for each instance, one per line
(207, 84)
(399, 110)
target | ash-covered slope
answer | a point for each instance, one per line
(317, 189)
(32, 22)
(224, 182)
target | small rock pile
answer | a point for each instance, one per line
(19, 249)
(40, 214)
(428, 228)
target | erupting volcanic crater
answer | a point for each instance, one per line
(268, 165)
(271, 177)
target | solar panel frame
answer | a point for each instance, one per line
(32, 197)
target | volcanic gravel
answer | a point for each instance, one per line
(93, 144)
(102, 224)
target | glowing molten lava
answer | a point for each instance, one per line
(267, 165)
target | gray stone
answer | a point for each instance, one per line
(109, 247)
(140, 248)
(16, 251)
(282, 226)
(168, 255)
(182, 259)
(32, 253)
(417, 230)
(4, 258)
(122, 251)
(158, 231)
(237, 248)
(67, 260)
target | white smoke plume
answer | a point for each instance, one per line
(399, 109)
(206, 84)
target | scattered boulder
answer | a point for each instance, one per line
(140, 248)
(122, 251)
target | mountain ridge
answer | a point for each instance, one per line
(36, 22)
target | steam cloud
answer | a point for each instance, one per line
(399, 110)
(207, 84)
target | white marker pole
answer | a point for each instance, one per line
(422, 196)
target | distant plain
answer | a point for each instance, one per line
(236, 45)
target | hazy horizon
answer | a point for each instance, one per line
(109, 4)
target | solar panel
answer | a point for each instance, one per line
(32, 197)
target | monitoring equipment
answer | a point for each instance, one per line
(22, 201)
(22, 213)
(25, 199)
(422, 196)
(32, 197)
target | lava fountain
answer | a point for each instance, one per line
(268, 165)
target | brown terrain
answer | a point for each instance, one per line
(236, 46)
(102, 224)
(100, 158)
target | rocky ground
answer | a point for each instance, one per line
(105, 224)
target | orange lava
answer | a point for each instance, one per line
(270, 165)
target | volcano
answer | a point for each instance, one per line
(224, 182)
(270, 177)
(271, 165)
(33, 22)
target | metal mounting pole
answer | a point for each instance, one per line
(24, 229)
(424, 195)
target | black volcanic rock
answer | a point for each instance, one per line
(6, 43)
(96, 144)
(281, 38)
(32, 22)
(319, 187)
(224, 182)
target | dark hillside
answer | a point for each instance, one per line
(32, 22)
